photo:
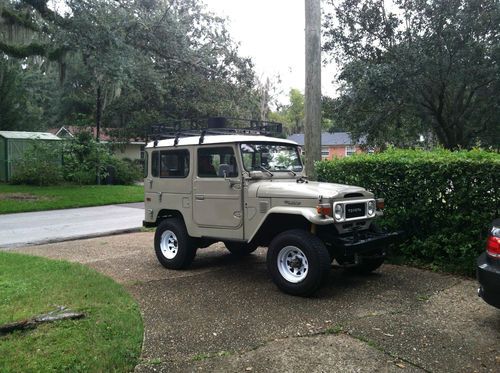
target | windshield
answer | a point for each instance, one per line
(270, 157)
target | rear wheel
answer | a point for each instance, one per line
(173, 246)
(240, 248)
(298, 262)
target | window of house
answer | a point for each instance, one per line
(142, 151)
(350, 150)
(217, 162)
(325, 153)
(170, 163)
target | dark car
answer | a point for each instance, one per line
(488, 268)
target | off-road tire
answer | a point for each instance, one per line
(311, 251)
(173, 246)
(240, 248)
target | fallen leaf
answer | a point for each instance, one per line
(400, 365)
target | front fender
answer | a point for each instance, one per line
(309, 213)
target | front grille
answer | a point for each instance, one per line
(355, 210)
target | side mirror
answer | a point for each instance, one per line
(231, 182)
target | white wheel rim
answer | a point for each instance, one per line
(169, 245)
(292, 264)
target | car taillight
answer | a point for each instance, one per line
(493, 246)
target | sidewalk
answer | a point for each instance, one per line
(60, 225)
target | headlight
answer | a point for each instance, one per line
(339, 211)
(370, 208)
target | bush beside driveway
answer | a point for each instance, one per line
(225, 314)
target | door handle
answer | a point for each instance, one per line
(199, 197)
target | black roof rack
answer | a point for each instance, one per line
(212, 126)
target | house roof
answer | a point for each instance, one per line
(105, 134)
(22, 135)
(328, 139)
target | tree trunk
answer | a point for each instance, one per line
(98, 114)
(312, 138)
(98, 130)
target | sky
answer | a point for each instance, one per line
(271, 32)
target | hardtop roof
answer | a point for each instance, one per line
(218, 139)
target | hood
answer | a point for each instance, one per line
(312, 189)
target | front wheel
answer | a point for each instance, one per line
(298, 262)
(173, 246)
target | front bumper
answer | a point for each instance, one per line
(364, 242)
(488, 275)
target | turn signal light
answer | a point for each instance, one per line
(493, 246)
(380, 203)
(324, 209)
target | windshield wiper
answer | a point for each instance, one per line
(293, 173)
(265, 169)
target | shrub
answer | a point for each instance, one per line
(123, 171)
(40, 165)
(443, 200)
(84, 159)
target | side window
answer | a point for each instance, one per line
(217, 162)
(145, 165)
(170, 163)
(155, 165)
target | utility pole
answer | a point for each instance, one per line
(312, 138)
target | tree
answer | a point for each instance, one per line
(11, 97)
(426, 67)
(295, 111)
(22, 91)
(126, 63)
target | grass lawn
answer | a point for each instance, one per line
(108, 339)
(22, 198)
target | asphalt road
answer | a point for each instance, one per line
(59, 225)
(225, 314)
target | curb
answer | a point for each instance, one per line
(70, 238)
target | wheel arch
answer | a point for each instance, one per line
(278, 221)
(166, 213)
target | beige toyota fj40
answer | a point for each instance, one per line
(249, 190)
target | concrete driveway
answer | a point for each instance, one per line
(226, 315)
(30, 228)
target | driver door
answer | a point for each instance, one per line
(217, 195)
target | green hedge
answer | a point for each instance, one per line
(443, 200)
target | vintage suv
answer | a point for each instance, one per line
(250, 190)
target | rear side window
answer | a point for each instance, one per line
(170, 163)
(145, 164)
